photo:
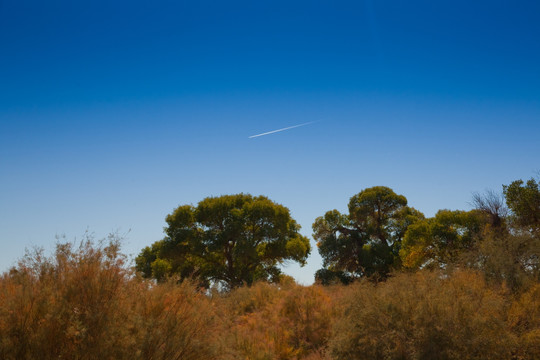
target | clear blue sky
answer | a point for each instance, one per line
(112, 113)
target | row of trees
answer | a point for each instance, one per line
(238, 239)
(467, 286)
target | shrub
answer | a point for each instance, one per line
(423, 316)
(524, 318)
(84, 303)
(279, 322)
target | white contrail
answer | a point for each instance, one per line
(278, 130)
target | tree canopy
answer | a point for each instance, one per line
(505, 247)
(228, 240)
(523, 200)
(366, 241)
(438, 241)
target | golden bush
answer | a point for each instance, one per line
(423, 316)
(84, 303)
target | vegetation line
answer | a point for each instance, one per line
(394, 285)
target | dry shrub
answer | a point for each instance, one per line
(84, 303)
(251, 322)
(272, 322)
(307, 313)
(423, 316)
(509, 259)
(173, 321)
(524, 318)
(247, 300)
(66, 306)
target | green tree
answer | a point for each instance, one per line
(365, 242)
(439, 241)
(228, 240)
(523, 200)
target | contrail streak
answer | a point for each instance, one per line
(278, 130)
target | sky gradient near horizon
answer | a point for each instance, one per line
(114, 113)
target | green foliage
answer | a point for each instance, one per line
(439, 241)
(524, 202)
(505, 251)
(329, 277)
(365, 242)
(228, 240)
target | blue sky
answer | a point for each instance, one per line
(114, 113)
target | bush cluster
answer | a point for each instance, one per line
(84, 302)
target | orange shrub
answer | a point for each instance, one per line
(524, 318)
(272, 322)
(173, 321)
(423, 316)
(85, 304)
